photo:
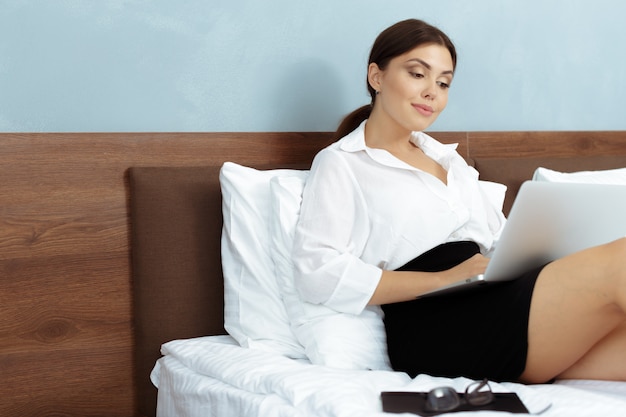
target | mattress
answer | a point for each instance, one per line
(214, 376)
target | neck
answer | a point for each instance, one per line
(382, 132)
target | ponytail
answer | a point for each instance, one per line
(352, 121)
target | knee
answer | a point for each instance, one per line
(608, 264)
(617, 262)
(620, 244)
(617, 253)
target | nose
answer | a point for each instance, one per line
(430, 91)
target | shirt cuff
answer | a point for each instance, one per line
(355, 288)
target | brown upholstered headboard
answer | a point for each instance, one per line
(176, 218)
(177, 284)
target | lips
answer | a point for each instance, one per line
(424, 109)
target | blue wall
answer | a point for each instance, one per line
(285, 65)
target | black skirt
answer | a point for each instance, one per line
(478, 333)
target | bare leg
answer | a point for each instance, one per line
(577, 315)
(604, 361)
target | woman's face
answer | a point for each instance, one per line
(413, 89)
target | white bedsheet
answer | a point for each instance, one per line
(213, 376)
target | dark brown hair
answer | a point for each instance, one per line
(394, 41)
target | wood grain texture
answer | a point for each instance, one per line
(512, 157)
(541, 144)
(65, 296)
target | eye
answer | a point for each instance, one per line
(443, 85)
(416, 74)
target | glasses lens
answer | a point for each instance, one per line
(479, 393)
(442, 399)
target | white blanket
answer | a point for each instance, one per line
(213, 376)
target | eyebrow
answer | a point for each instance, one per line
(428, 67)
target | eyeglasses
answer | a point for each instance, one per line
(443, 399)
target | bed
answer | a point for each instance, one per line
(183, 218)
(110, 255)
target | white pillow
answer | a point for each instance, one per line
(494, 191)
(609, 176)
(329, 337)
(254, 313)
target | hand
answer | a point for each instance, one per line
(475, 265)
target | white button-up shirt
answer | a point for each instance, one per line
(365, 211)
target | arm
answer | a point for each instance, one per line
(398, 286)
(332, 232)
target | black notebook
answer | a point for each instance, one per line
(414, 402)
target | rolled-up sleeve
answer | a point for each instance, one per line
(332, 232)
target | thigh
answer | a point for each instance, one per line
(605, 360)
(573, 307)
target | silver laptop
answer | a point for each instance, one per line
(549, 220)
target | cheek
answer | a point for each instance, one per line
(396, 89)
(400, 84)
(443, 100)
(394, 95)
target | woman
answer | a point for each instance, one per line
(389, 213)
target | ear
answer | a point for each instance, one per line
(374, 76)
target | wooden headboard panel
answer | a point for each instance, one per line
(66, 324)
(512, 157)
(66, 337)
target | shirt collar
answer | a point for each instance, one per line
(355, 142)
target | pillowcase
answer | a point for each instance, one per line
(609, 176)
(494, 191)
(330, 338)
(254, 313)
